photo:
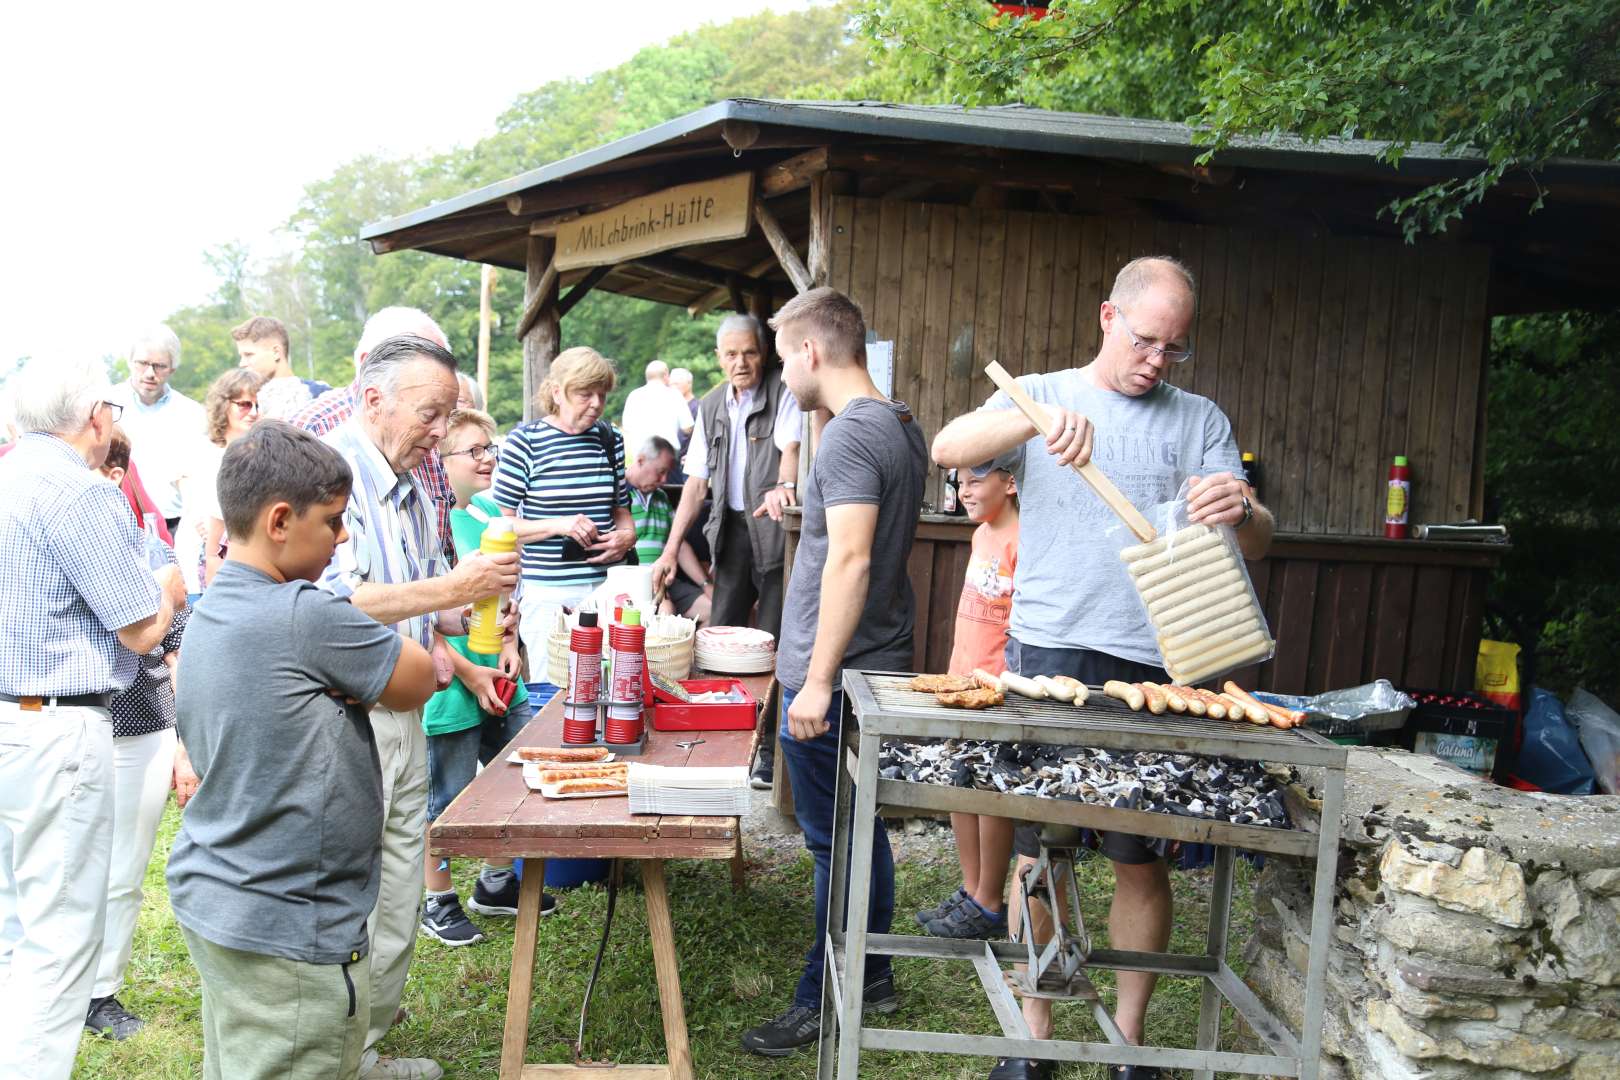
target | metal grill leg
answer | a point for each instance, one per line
(860, 903)
(1220, 915)
(1327, 864)
(837, 876)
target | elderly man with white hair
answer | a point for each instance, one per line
(163, 424)
(655, 410)
(338, 404)
(78, 608)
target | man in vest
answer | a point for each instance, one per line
(745, 442)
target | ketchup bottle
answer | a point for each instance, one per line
(1399, 500)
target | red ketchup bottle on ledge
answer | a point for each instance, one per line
(628, 641)
(584, 680)
(1399, 499)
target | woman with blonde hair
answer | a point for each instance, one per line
(230, 409)
(562, 478)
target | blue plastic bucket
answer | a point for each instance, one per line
(567, 873)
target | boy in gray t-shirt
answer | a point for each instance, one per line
(275, 866)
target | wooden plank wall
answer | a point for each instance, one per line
(1330, 355)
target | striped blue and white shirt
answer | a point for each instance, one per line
(393, 538)
(547, 473)
(73, 572)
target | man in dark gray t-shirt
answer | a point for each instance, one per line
(849, 604)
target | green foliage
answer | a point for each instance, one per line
(325, 288)
(1553, 473)
(1516, 81)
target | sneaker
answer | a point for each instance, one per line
(764, 770)
(801, 1025)
(969, 920)
(444, 921)
(938, 911)
(1023, 1069)
(109, 1019)
(373, 1067)
(504, 900)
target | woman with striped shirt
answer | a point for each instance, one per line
(562, 478)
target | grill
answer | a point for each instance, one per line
(883, 707)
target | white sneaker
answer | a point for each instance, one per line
(373, 1067)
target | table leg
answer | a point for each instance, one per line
(515, 1037)
(1220, 910)
(739, 868)
(857, 909)
(668, 968)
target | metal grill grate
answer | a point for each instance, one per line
(1102, 720)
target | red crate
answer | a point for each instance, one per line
(675, 715)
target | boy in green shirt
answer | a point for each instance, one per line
(466, 723)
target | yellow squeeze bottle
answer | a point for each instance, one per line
(484, 627)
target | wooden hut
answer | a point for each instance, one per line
(972, 235)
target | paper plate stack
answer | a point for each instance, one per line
(735, 650)
(696, 791)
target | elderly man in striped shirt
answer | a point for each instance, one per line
(393, 568)
(78, 608)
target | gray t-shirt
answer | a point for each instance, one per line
(872, 452)
(278, 852)
(1070, 590)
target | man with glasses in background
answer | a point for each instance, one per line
(1074, 610)
(163, 424)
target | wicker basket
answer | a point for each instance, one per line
(669, 648)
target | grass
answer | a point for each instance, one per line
(740, 957)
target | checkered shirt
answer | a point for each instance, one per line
(336, 406)
(72, 573)
(148, 704)
(391, 535)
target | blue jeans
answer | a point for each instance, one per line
(812, 767)
(454, 757)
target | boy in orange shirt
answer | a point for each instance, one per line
(983, 844)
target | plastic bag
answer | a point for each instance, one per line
(1496, 673)
(1551, 758)
(1196, 591)
(1599, 728)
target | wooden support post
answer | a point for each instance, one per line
(762, 305)
(792, 174)
(780, 244)
(541, 340)
(486, 293)
(525, 935)
(665, 963)
(717, 296)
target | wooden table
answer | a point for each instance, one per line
(498, 816)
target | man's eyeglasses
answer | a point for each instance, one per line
(246, 406)
(115, 410)
(1175, 356)
(157, 367)
(481, 452)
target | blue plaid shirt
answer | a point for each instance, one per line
(72, 573)
(392, 535)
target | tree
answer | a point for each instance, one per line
(1517, 82)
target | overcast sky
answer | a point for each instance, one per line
(138, 135)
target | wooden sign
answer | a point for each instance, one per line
(675, 217)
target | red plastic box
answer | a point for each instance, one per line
(672, 714)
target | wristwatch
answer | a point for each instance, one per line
(1248, 512)
(787, 485)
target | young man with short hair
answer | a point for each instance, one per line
(849, 604)
(276, 864)
(264, 349)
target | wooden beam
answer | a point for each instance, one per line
(735, 294)
(743, 135)
(541, 294)
(547, 226)
(780, 244)
(791, 175)
(451, 228)
(585, 285)
(740, 134)
(541, 342)
(486, 295)
(910, 189)
(571, 194)
(712, 299)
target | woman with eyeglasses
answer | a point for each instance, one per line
(231, 407)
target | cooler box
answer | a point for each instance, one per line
(672, 714)
(1459, 727)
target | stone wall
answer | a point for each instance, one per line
(1476, 930)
